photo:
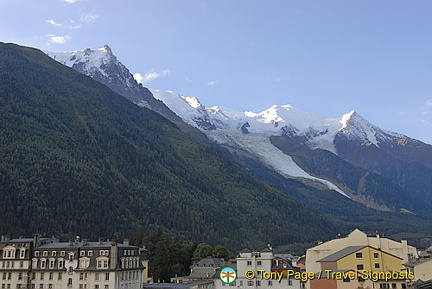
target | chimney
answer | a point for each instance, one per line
(126, 242)
(36, 240)
(113, 256)
(3, 238)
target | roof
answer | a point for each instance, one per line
(341, 253)
(414, 263)
(206, 268)
(60, 245)
(349, 250)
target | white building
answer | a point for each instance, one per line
(269, 272)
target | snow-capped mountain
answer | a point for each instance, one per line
(349, 155)
(103, 66)
(350, 137)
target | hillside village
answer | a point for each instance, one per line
(355, 261)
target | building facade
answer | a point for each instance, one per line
(269, 272)
(42, 263)
(355, 253)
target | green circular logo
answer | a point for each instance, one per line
(228, 275)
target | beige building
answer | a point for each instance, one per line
(42, 263)
(421, 268)
(316, 256)
(358, 238)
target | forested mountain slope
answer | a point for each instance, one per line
(77, 158)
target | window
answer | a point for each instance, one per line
(60, 276)
(106, 286)
(22, 253)
(90, 253)
(62, 253)
(250, 283)
(37, 254)
(96, 286)
(50, 276)
(377, 265)
(45, 253)
(70, 282)
(70, 269)
(71, 256)
(249, 263)
(4, 275)
(20, 276)
(82, 254)
(258, 282)
(384, 286)
(9, 253)
(359, 255)
(289, 282)
(107, 276)
(241, 283)
(42, 275)
(41, 286)
(51, 264)
(97, 276)
(60, 264)
(54, 253)
(43, 263)
(376, 255)
(403, 286)
(360, 267)
(50, 286)
(270, 283)
(9, 276)
(394, 285)
(259, 263)
(21, 264)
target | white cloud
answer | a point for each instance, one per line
(427, 107)
(149, 76)
(89, 18)
(53, 39)
(70, 1)
(74, 27)
(53, 23)
(211, 83)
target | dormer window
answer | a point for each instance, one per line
(22, 253)
(9, 252)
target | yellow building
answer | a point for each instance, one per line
(361, 267)
(359, 239)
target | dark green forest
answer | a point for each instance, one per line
(77, 158)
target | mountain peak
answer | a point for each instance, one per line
(346, 118)
(107, 49)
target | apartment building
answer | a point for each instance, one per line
(46, 263)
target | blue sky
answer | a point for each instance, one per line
(325, 57)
